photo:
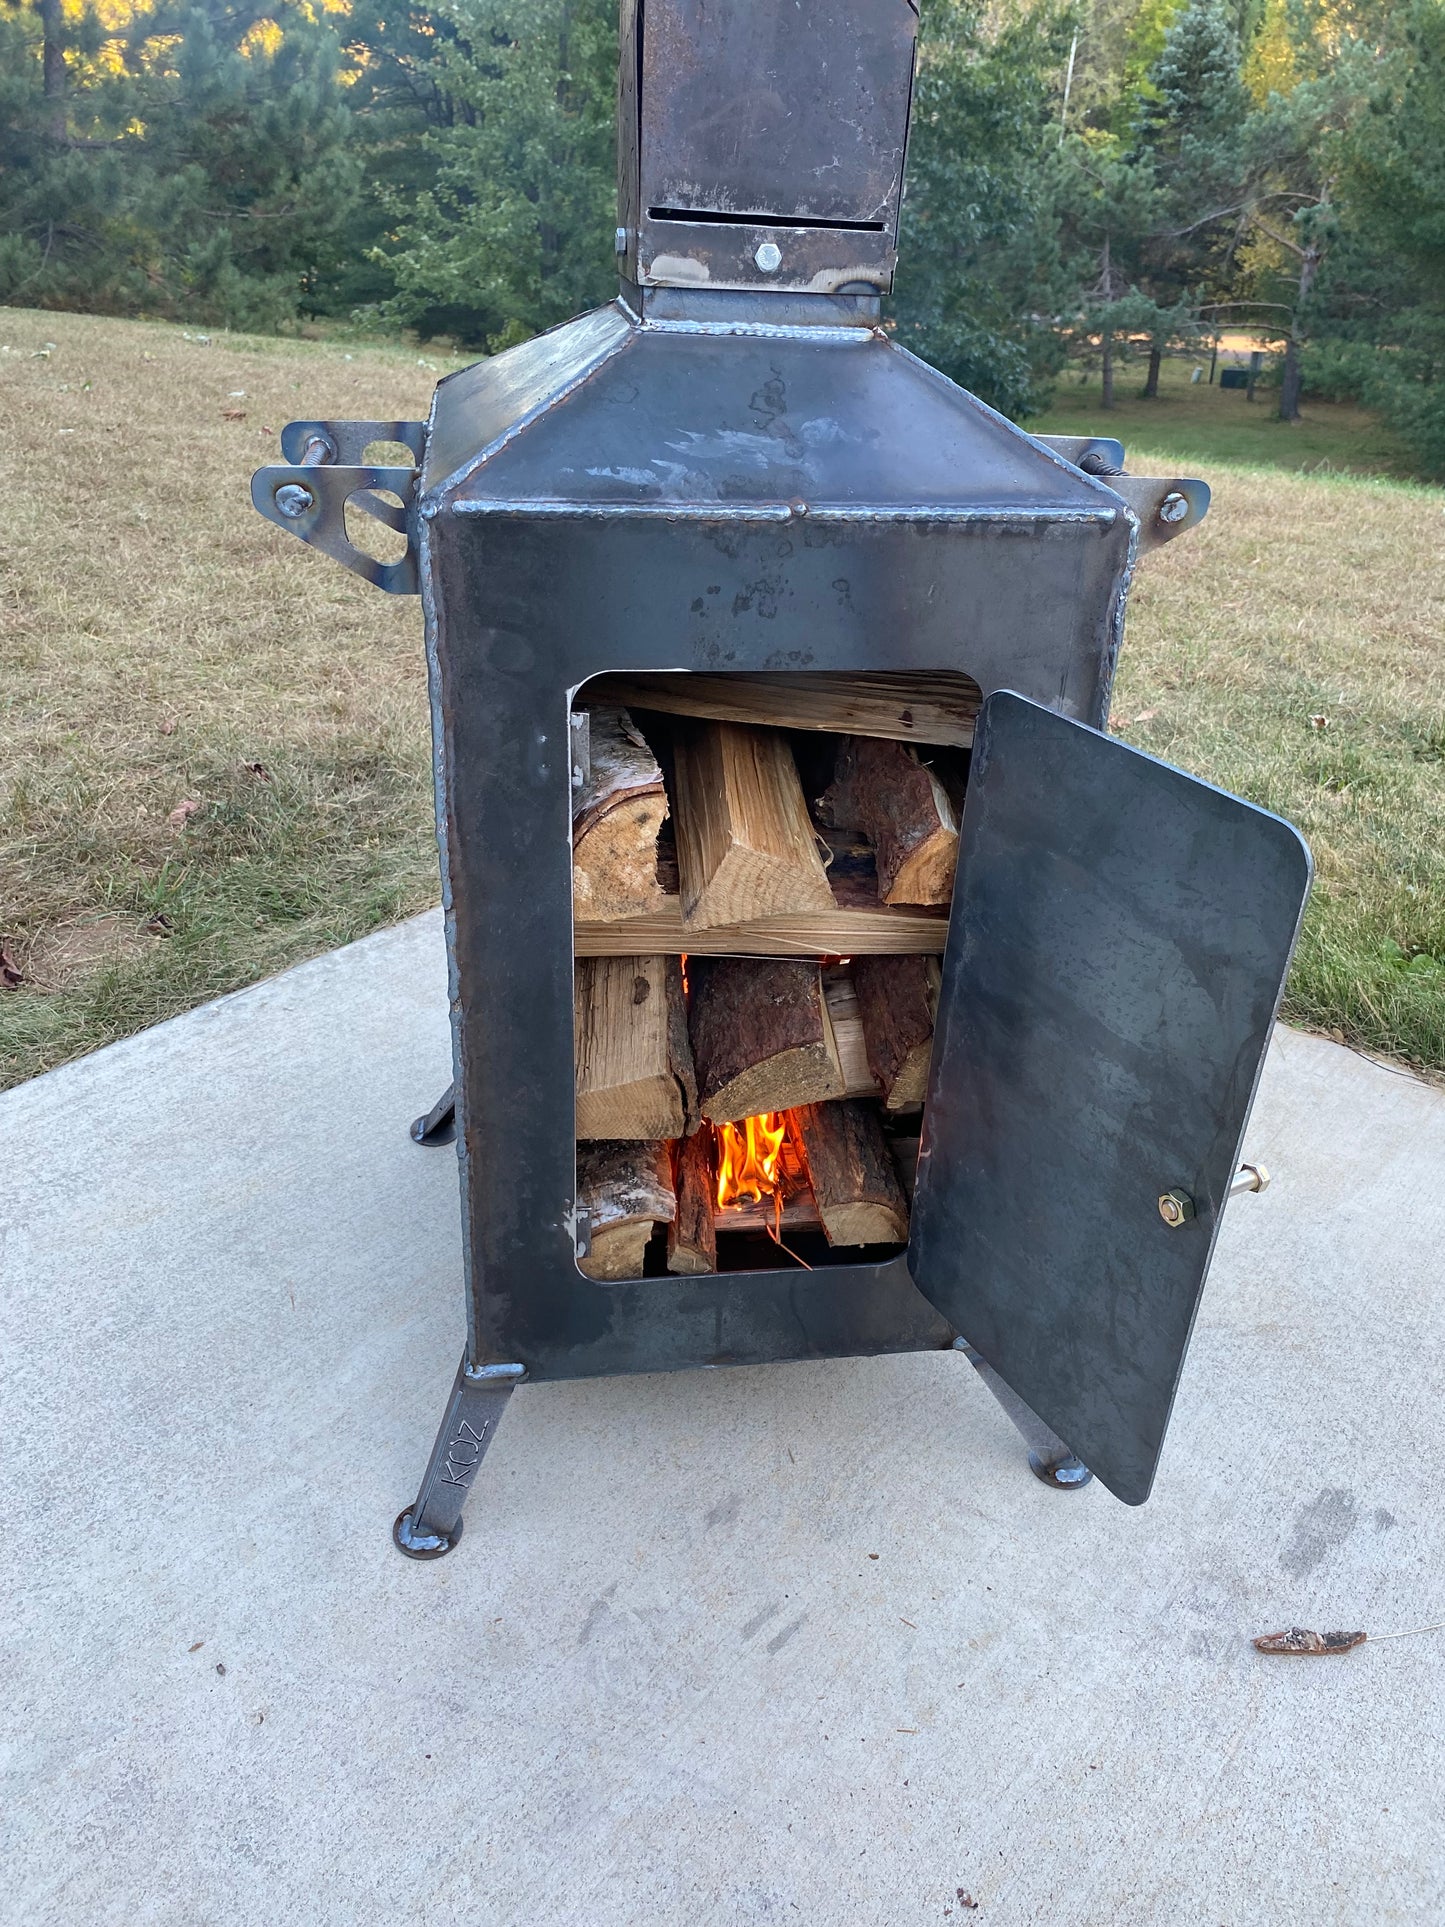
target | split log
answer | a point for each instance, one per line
(897, 1004)
(745, 844)
(799, 1213)
(626, 1190)
(762, 1039)
(850, 1168)
(634, 1061)
(937, 708)
(616, 815)
(842, 1001)
(856, 925)
(883, 789)
(692, 1235)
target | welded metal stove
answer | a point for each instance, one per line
(733, 467)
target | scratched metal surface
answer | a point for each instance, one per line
(776, 124)
(833, 419)
(790, 536)
(1120, 940)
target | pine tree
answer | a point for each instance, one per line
(1108, 205)
(1392, 193)
(193, 164)
(516, 233)
(1189, 131)
(979, 270)
(1295, 150)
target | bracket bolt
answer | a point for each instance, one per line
(293, 499)
(1174, 507)
(1176, 1208)
(769, 257)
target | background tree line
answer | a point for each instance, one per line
(1089, 180)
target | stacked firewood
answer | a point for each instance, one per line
(743, 890)
(744, 867)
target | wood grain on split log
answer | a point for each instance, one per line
(616, 815)
(851, 1171)
(857, 925)
(799, 1213)
(692, 1237)
(897, 1002)
(885, 790)
(626, 1190)
(762, 1039)
(745, 843)
(633, 1058)
(911, 708)
(842, 1002)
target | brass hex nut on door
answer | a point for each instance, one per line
(1176, 1208)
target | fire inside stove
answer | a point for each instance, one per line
(762, 870)
(749, 1157)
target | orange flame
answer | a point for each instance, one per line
(748, 1155)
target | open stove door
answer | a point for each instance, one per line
(1118, 946)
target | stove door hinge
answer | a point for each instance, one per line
(323, 471)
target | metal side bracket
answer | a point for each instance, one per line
(307, 496)
(1165, 505)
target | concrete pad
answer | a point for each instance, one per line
(664, 1679)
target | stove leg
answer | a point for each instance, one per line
(439, 1124)
(433, 1525)
(1049, 1458)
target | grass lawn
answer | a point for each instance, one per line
(164, 648)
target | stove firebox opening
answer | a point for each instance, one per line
(762, 871)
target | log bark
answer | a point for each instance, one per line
(911, 708)
(692, 1235)
(897, 1004)
(884, 789)
(633, 1058)
(762, 1039)
(745, 845)
(626, 1191)
(616, 815)
(850, 1168)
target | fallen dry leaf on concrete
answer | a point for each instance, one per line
(1299, 1639)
